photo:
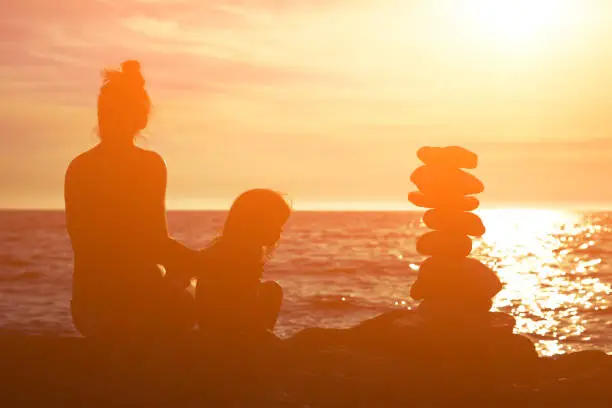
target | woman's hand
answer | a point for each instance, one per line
(179, 277)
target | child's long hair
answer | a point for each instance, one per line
(253, 212)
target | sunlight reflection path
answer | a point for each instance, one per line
(550, 276)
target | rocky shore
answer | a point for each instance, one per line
(390, 360)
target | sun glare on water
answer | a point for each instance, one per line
(549, 272)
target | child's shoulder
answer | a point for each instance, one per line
(232, 258)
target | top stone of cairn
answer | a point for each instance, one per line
(449, 156)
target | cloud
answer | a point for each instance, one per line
(299, 84)
(184, 45)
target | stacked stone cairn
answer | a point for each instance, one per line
(452, 331)
(454, 288)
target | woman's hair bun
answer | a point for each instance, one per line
(128, 75)
(131, 73)
(130, 67)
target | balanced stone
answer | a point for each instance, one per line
(456, 221)
(455, 307)
(436, 180)
(443, 243)
(459, 202)
(450, 156)
(465, 278)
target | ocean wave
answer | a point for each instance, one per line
(334, 301)
(11, 261)
(25, 276)
(592, 251)
(340, 268)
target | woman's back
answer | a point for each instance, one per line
(111, 197)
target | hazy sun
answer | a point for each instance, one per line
(518, 23)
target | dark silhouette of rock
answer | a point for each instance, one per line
(450, 156)
(433, 180)
(454, 221)
(394, 359)
(408, 336)
(441, 277)
(443, 243)
(442, 201)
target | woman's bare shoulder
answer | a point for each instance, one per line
(152, 163)
(81, 162)
(151, 158)
(95, 157)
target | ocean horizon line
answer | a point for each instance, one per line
(374, 207)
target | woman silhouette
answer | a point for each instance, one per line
(116, 219)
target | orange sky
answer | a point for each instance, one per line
(326, 100)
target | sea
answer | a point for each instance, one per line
(339, 268)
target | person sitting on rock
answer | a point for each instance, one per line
(116, 219)
(231, 298)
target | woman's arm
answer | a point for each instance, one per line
(176, 258)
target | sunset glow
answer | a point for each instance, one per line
(520, 24)
(327, 101)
